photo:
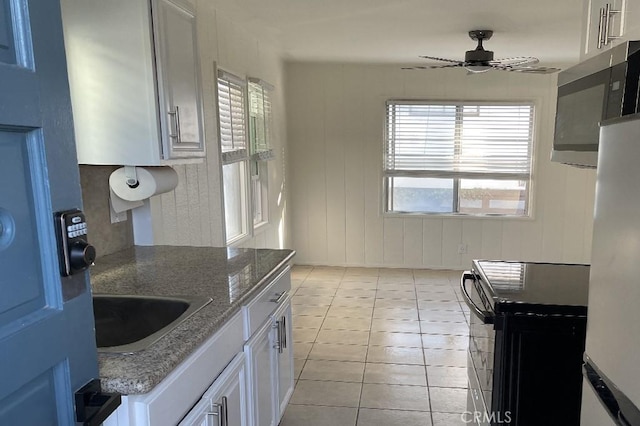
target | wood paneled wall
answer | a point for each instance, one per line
(335, 117)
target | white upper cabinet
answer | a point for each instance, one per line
(134, 80)
(603, 25)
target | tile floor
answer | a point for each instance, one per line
(378, 347)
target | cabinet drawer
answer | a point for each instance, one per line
(259, 309)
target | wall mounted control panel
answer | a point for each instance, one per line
(76, 254)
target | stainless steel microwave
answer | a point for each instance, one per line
(600, 88)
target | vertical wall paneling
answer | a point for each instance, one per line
(560, 226)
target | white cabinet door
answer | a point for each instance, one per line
(603, 21)
(284, 351)
(224, 403)
(261, 361)
(179, 79)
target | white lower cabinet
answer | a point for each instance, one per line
(284, 358)
(224, 403)
(260, 362)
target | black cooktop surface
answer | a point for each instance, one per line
(529, 287)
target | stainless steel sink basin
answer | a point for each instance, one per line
(127, 324)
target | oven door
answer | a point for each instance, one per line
(481, 344)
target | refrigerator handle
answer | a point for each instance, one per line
(621, 409)
(485, 317)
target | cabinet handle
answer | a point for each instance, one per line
(601, 26)
(607, 22)
(279, 297)
(284, 333)
(175, 123)
(278, 344)
(222, 414)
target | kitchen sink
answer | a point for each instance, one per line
(127, 324)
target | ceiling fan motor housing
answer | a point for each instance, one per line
(475, 56)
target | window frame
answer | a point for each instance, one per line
(245, 180)
(386, 174)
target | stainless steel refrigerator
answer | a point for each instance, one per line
(611, 382)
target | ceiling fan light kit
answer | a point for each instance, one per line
(480, 60)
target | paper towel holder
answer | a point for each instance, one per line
(131, 176)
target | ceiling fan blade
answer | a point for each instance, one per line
(430, 67)
(519, 60)
(530, 70)
(439, 59)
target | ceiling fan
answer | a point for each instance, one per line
(480, 60)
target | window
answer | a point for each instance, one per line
(260, 126)
(235, 155)
(458, 158)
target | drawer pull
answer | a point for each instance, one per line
(279, 297)
(222, 414)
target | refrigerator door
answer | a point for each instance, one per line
(612, 340)
(593, 412)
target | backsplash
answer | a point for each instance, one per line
(106, 237)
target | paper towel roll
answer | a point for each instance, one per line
(151, 181)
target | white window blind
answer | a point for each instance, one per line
(461, 139)
(260, 117)
(458, 157)
(231, 116)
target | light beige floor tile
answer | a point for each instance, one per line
(455, 328)
(305, 321)
(396, 313)
(356, 324)
(338, 352)
(398, 286)
(381, 338)
(439, 306)
(347, 312)
(441, 316)
(395, 374)
(298, 365)
(309, 415)
(395, 397)
(321, 284)
(448, 400)
(440, 341)
(347, 292)
(395, 325)
(361, 271)
(378, 417)
(346, 337)
(314, 311)
(354, 302)
(395, 355)
(338, 371)
(312, 300)
(336, 394)
(305, 335)
(301, 350)
(395, 303)
(445, 357)
(450, 419)
(384, 293)
(359, 284)
(315, 291)
(449, 377)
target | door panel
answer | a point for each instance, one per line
(47, 343)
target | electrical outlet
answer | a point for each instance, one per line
(462, 249)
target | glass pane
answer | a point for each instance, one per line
(260, 193)
(235, 195)
(485, 196)
(420, 195)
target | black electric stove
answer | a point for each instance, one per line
(526, 340)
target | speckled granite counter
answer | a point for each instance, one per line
(230, 277)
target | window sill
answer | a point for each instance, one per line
(456, 216)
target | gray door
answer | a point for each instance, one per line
(47, 345)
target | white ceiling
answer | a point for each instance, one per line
(397, 31)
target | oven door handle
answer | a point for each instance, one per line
(485, 317)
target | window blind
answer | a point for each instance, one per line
(458, 139)
(231, 116)
(260, 119)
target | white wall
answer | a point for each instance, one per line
(192, 214)
(335, 116)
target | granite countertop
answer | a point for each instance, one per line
(229, 276)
